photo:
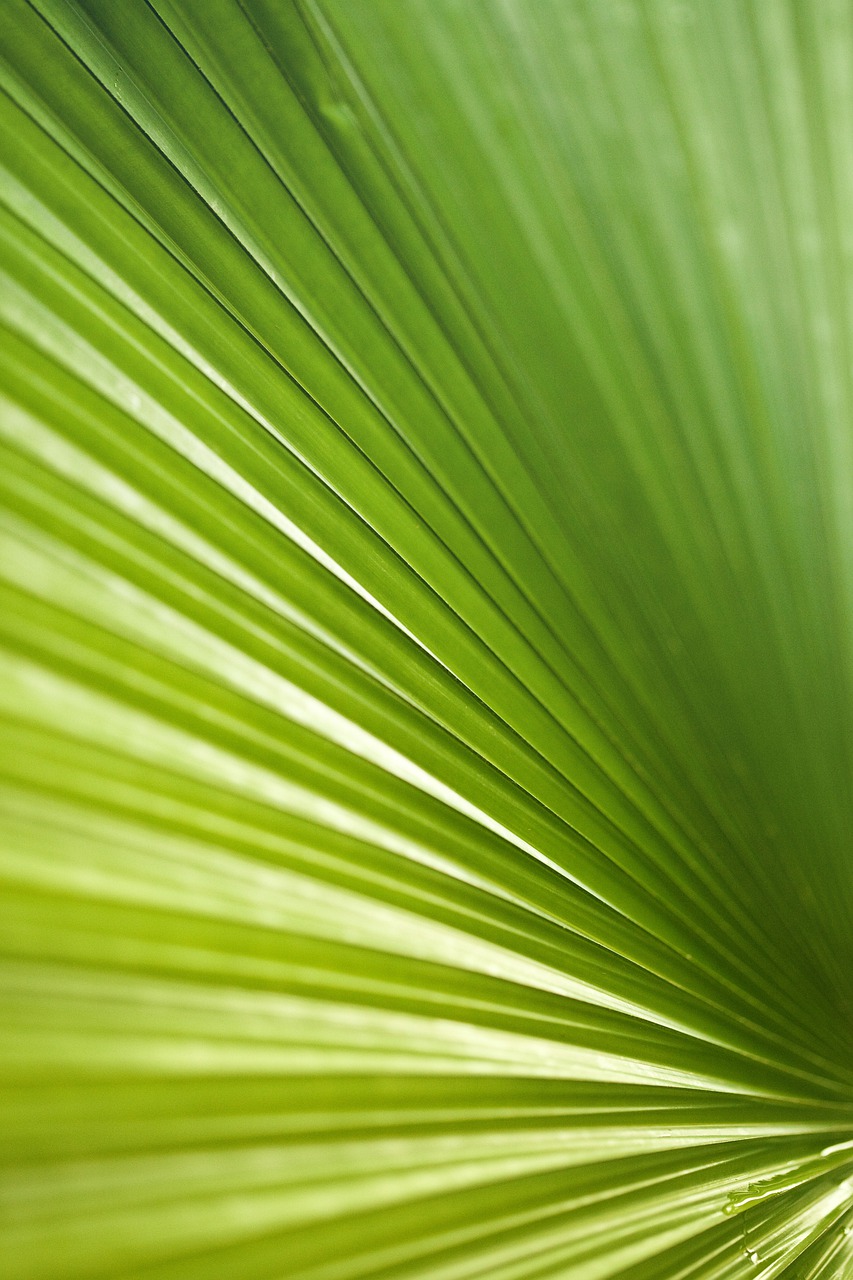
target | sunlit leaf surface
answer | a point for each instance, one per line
(427, 639)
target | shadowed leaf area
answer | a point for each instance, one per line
(426, 639)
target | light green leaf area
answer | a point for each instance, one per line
(426, 639)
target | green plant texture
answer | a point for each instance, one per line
(426, 639)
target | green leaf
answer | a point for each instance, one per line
(426, 639)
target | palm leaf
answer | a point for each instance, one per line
(426, 639)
